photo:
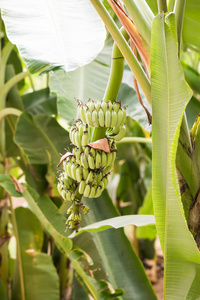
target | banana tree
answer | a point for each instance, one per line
(160, 32)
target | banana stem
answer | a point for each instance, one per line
(125, 49)
(162, 6)
(114, 82)
(135, 140)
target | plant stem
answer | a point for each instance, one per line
(18, 250)
(170, 5)
(5, 55)
(9, 111)
(114, 82)
(162, 6)
(142, 17)
(125, 49)
(179, 13)
(135, 140)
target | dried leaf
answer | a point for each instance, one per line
(64, 157)
(132, 31)
(102, 144)
(18, 187)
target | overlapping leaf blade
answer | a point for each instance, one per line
(66, 34)
(170, 95)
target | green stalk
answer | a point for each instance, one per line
(135, 140)
(170, 5)
(179, 13)
(21, 276)
(114, 82)
(125, 49)
(162, 6)
(142, 17)
(5, 55)
(9, 111)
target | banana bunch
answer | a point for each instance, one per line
(116, 133)
(67, 187)
(79, 134)
(102, 114)
(90, 158)
(86, 169)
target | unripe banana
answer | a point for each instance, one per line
(107, 118)
(59, 187)
(119, 117)
(105, 181)
(98, 105)
(84, 161)
(81, 187)
(120, 134)
(79, 173)
(109, 105)
(99, 176)
(109, 159)
(86, 190)
(98, 191)
(95, 118)
(82, 112)
(98, 160)
(90, 178)
(91, 161)
(91, 105)
(107, 169)
(116, 106)
(73, 171)
(77, 139)
(124, 115)
(103, 158)
(104, 106)
(85, 173)
(89, 117)
(92, 192)
(101, 117)
(85, 138)
(85, 209)
(113, 118)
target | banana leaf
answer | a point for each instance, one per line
(170, 95)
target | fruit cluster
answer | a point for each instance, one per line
(86, 169)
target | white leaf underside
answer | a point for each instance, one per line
(62, 33)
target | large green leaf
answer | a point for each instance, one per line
(170, 94)
(39, 276)
(40, 102)
(64, 34)
(45, 210)
(41, 138)
(117, 222)
(191, 24)
(117, 255)
(86, 82)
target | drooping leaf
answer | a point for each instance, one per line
(38, 269)
(45, 210)
(56, 37)
(170, 94)
(118, 222)
(41, 138)
(40, 102)
(120, 257)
